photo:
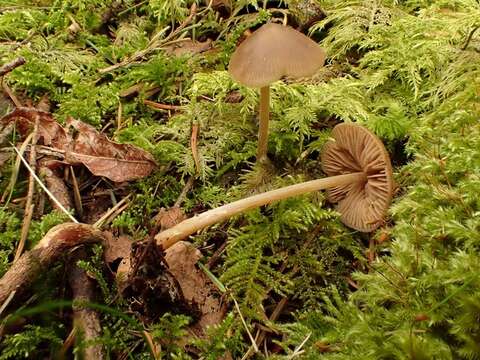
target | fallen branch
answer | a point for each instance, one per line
(86, 321)
(55, 243)
(6, 68)
(10, 94)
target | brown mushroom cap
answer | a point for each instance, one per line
(272, 52)
(355, 149)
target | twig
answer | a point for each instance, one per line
(216, 255)
(188, 20)
(154, 44)
(10, 94)
(185, 190)
(194, 147)
(6, 68)
(76, 194)
(42, 185)
(27, 219)
(119, 116)
(86, 321)
(469, 38)
(254, 344)
(156, 105)
(55, 243)
(13, 177)
(119, 207)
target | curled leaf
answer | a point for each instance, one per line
(118, 162)
(83, 144)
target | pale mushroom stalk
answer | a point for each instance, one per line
(169, 237)
(360, 184)
(270, 53)
(263, 126)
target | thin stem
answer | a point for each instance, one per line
(187, 227)
(263, 126)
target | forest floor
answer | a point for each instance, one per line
(119, 119)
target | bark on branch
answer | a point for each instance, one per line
(86, 321)
(6, 68)
(56, 242)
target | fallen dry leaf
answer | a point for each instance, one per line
(116, 247)
(196, 286)
(83, 144)
(224, 7)
(118, 162)
(49, 133)
(188, 47)
(165, 219)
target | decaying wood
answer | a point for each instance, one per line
(55, 243)
(6, 68)
(86, 321)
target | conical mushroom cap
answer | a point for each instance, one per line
(364, 204)
(272, 52)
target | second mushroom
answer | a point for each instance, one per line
(360, 184)
(270, 53)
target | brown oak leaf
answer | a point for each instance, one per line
(196, 286)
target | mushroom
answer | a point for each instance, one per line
(362, 204)
(270, 53)
(361, 186)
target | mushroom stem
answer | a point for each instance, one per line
(263, 126)
(167, 238)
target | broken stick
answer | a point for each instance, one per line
(56, 242)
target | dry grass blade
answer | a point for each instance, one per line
(154, 348)
(185, 190)
(16, 169)
(27, 219)
(42, 185)
(252, 340)
(114, 211)
(76, 194)
(298, 350)
(7, 301)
